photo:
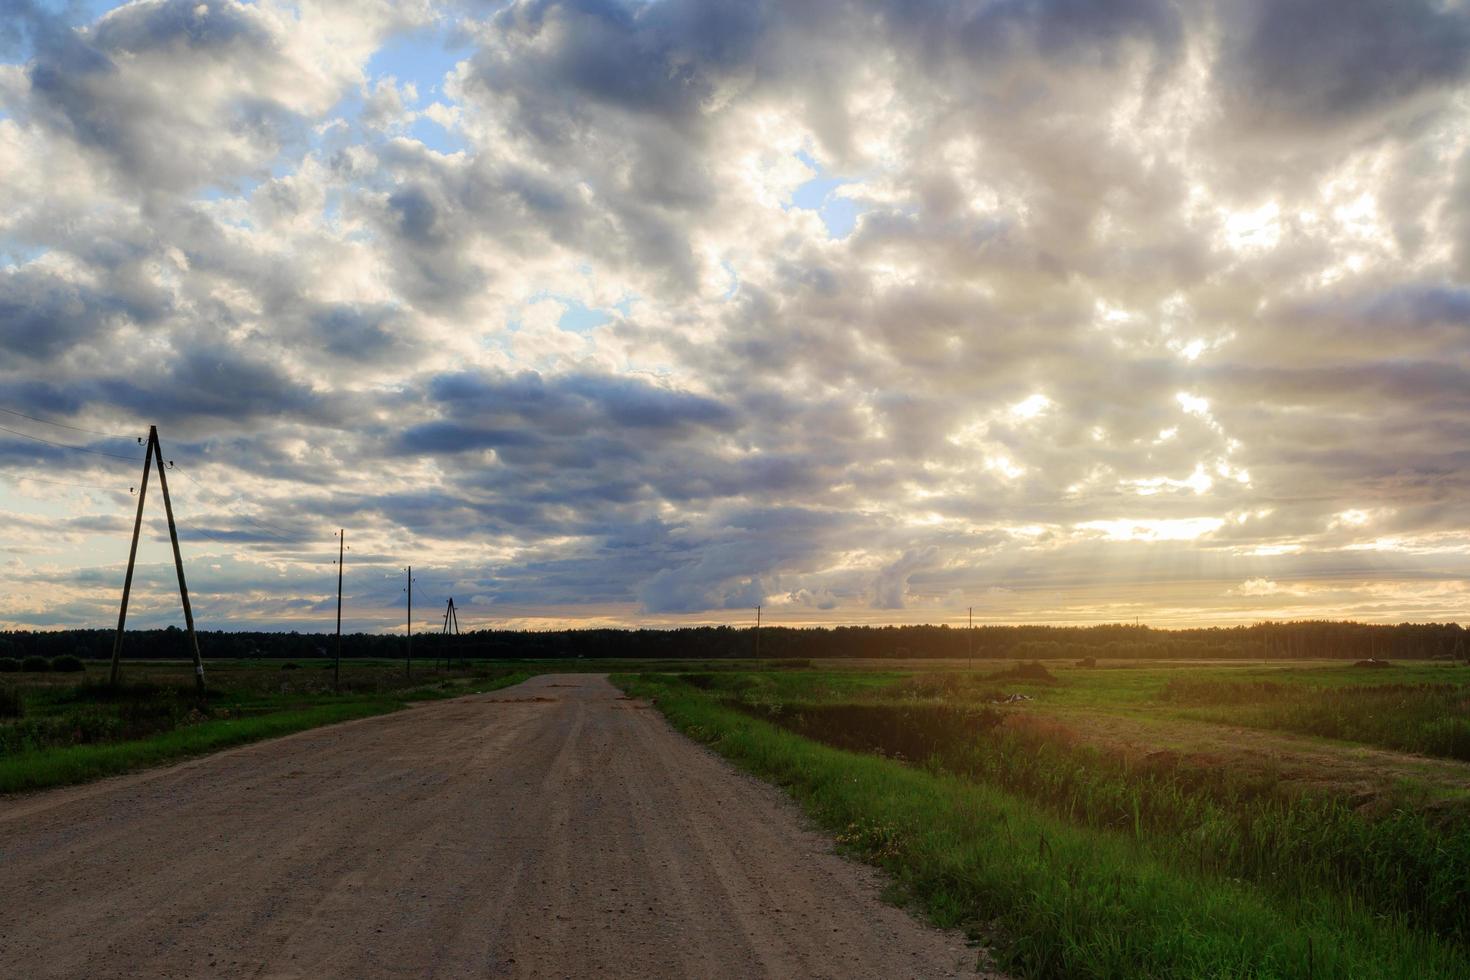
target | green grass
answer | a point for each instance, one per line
(1431, 718)
(1077, 861)
(60, 766)
(72, 730)
(1201, 813)
(62, 728)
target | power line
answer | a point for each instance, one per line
(264, 526)
(227, 544)
(63, 425)
(58, 483)
(62, 445)
(267, 528)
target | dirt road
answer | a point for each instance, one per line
(552, 829)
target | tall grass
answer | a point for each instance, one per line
(1056, 898)
(1433, 719)
(12, 705)
(1195, 813)
(60, 766)
(79, 731)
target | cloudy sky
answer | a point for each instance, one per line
(604, 311)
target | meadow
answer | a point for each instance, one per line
(1126, 819)
(1088, 818)
(61, 722)
(69, 726)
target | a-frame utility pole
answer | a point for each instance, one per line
(151, 453)
(451, 619)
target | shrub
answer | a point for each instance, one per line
(67, 664)
(11, 705)
(34, 664)
(9, 665)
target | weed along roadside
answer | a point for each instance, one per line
(1075, 853)
(59, 729)
(1099, 820)
(63, 722)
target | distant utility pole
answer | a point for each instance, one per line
(337, 665)
(451, 618)
(408, 657)
(153, 452)
(757, 632)
(970, 636)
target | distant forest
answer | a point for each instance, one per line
(1264, 641)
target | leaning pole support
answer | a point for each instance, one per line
(154, 453)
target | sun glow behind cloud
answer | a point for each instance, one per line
(649, 312)
(1155, 529)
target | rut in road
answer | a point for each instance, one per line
(550, 829)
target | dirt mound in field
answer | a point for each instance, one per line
(1034, 672)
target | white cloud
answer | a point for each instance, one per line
(1154, 260)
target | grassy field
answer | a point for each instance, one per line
(1309, 819)
(60, 728)
(69, 726)
(1180, 820)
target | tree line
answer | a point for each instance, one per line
(1263, 641)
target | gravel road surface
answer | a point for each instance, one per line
(553, 829)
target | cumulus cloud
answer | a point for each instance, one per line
(860, 310)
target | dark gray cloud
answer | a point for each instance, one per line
(1141, 297)
(1298, 67)
(574, 405)
(44, 317)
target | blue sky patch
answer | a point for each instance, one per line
(422, 57)
(838, 213)
(579, 317)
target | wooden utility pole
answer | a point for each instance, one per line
(451, 618)
(757, 632)
(408, 659)
(337, 664)
(122, 614)
(970, 637)
(155, 452)
(173, 534)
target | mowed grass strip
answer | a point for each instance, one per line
(1433, 719)
(48, 767)
(1053, 899)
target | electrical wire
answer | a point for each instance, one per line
(58, 483)
(62, 445)
(199, 530)
(265, 528)
(64, 425)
